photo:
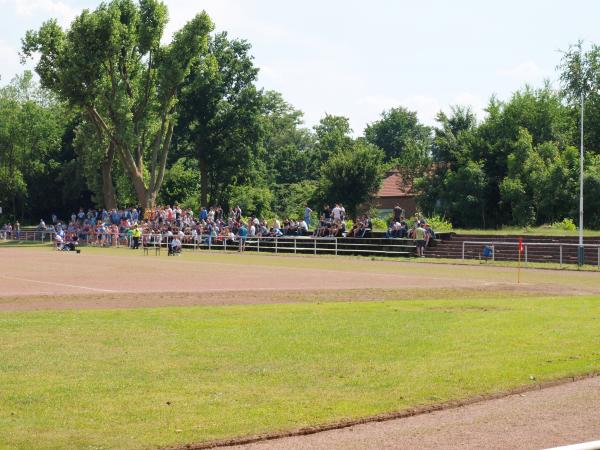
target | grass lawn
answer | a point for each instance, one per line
(154, 377)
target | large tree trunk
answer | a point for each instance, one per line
(149, 200)
(203, 182)
(108, 189)
(135, 167)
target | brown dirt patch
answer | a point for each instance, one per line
(240, 297)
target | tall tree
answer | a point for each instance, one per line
(287, 147)
(405, 141)
(32, 126)
(580, 74)
(399, 133)
(352, 177)
(110, 64)
(220, 116)
(333, 137)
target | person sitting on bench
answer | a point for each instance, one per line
(59, 241)
(175, 246)
(71, 244)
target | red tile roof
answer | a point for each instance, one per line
(394, 186)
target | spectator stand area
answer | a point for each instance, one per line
(152, 244)
(176, 229)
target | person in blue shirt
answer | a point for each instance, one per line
(243, 234)
(307, 212)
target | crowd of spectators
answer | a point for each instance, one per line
(132, 227)
(8, 231)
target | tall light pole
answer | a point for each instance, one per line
(580, 249)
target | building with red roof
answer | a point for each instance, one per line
(395, 190)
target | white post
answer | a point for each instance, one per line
(463, 250)
(561, 256)
(580, 252)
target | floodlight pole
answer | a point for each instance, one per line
(580, 249)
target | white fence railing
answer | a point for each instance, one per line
(41, 236)
(552, 245)
(288, 244)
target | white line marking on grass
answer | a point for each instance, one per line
(57, 284)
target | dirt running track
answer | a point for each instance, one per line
(45, 279)
(560, 415)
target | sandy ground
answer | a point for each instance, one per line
(560, 415)
(33, 272)
(45, 279)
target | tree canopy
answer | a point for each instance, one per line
(121, 117)
(111, 65)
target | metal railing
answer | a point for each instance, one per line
(41, 236)
(267, 244)
(526, 245)
(286, 244)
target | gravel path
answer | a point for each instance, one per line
(560, 415)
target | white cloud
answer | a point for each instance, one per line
(226, 14)
(426, 106)
(379, 102)
(525, 72)
(477, 103)
(62, 11)
(10, 62)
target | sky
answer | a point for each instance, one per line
(357, 58)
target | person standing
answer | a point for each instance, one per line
(307, 212)
(420, 238)
(398, 213)
(242, 234)
(136, 235)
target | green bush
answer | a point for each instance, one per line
(192, 203)
(439, 223)
(181, 183)
(291, 199)
(379, 224)
(253, 200)
(566, 225)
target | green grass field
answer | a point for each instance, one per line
(154, 377)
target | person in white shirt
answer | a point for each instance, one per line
(336, 212)
(303, 227)
(59, 241)
(175, 246)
